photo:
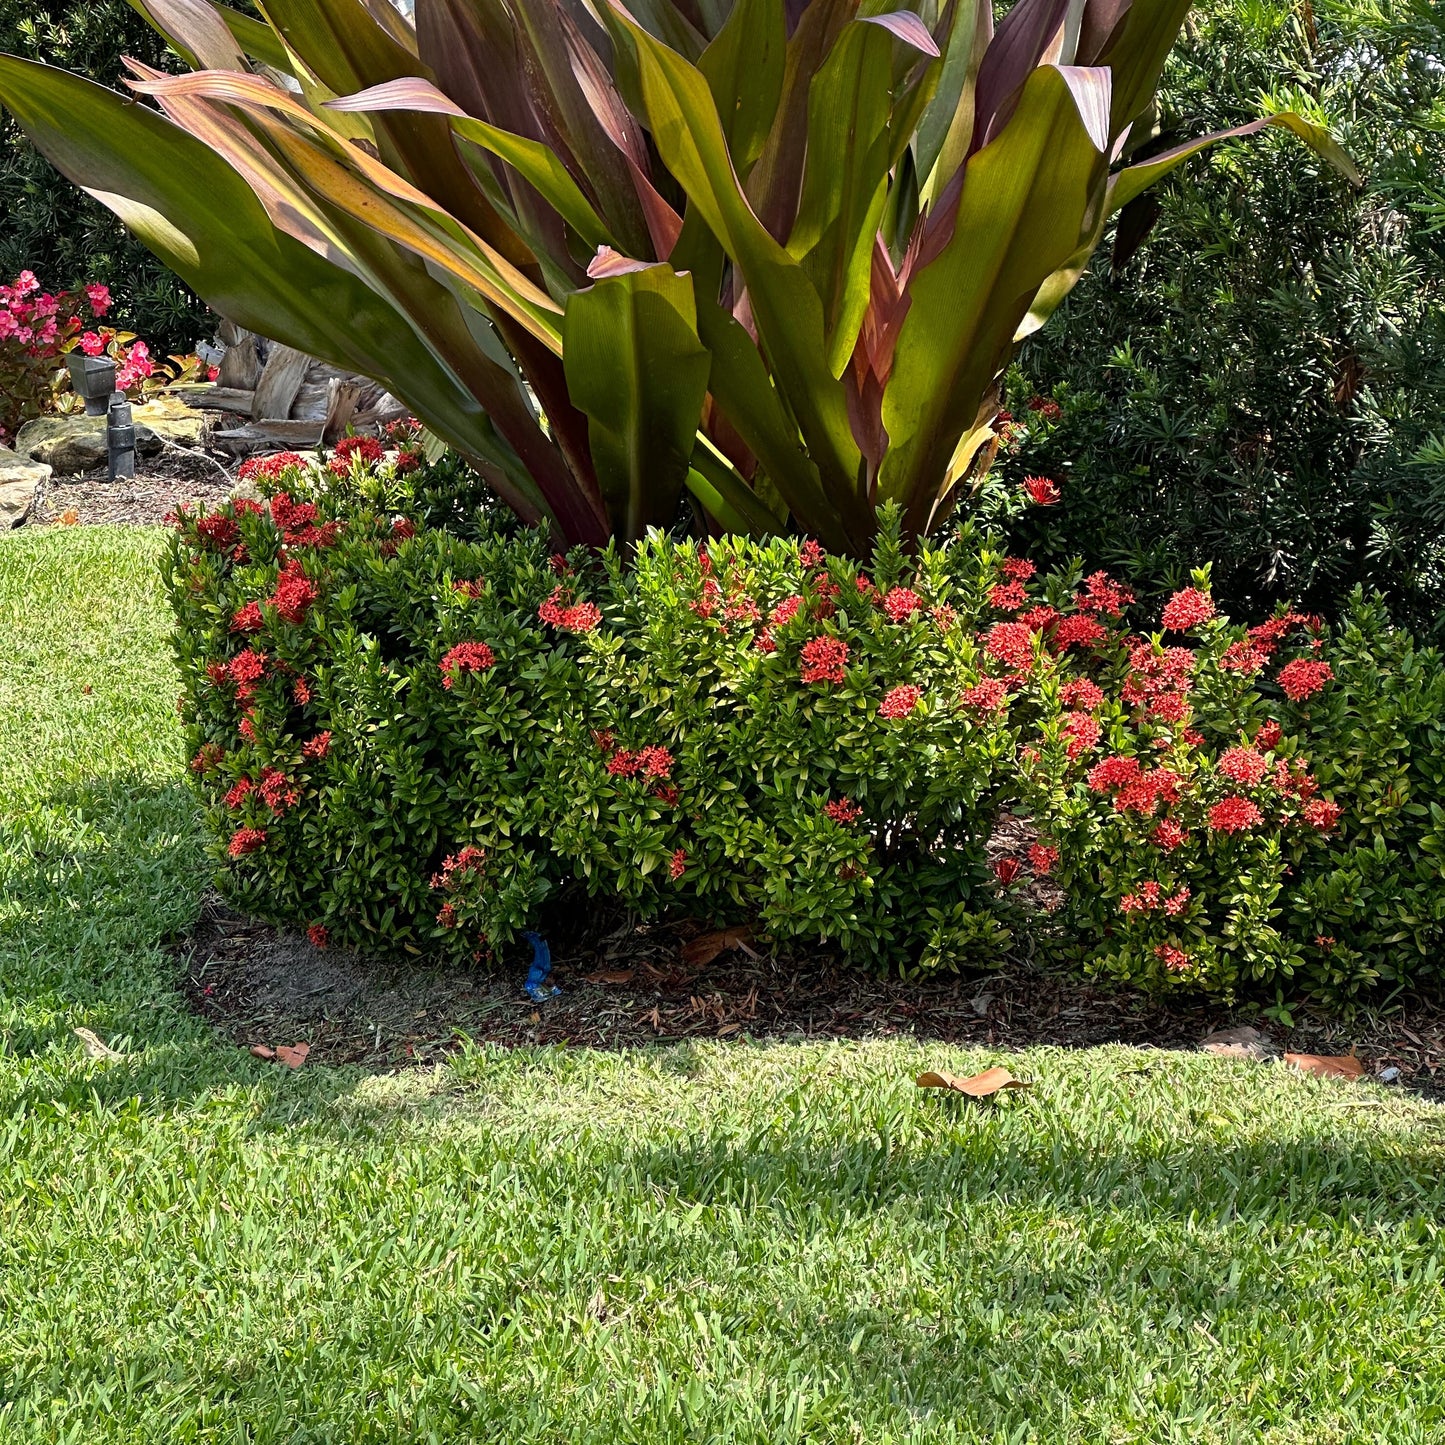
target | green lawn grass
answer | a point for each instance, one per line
(731, 1242)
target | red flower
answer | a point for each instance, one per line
(811, 554)
(1169, 835)
(604, 739)
(402, 528)
(843, 811)
(1144, 793)
(1103, 595)
(317, 936)
(1178, 903)
(1081, 693)
(560, 565)
(269, 467)
(1175, 959)
(316, 748)
(1268, 735)
(677, 864)
(1301, 678)
(217, 530)
(447, 915)
(295, 592)
(623, 764)
(655, 763)
(1112, 773)
(247, 727)
(247, 667)
(1171, 706)
(1084, 631)
(1040, 619)
(943, 616)
(1049, 410)
(1012, 643)
(466, 657)
(987, 695)
(1082, 730)
(899, 701)
(786, 610)
(1187, 608)
(823, 660)
(1017, 569)
(1007, 596)
(765, 642)
(248, 618)
(665, 793)
(246, 840)
(1042, 859)
(1243, 765)
(1042, 492)
(239, 791)
(1006, 870)
(1243, 657)
(368, 449)
(277, 791)
(207, 758)
(301, 691)
(1322, 814)
(900, 604)
(1234, 815)
(576, 617)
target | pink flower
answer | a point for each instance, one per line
(811, 554)
(1175, 959)
(1301, 678)
(899, 701)
(99, 298)
(1042, 491)
(92, 343)
(1187, 608)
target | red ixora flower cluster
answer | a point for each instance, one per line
(270, 468)
(465, 657)
(368, 449)
(316, 748)
(1234, 815)
(1133, 789)
(1103, 596)
(987, 695)
(317, 936)
(843, 811)
(898, 702)
(811, 554)
(677, 864)
(294, 595)
(1160, 681)
(1011, 643)
(651, 763)
(823, 660)
(246, 840)
(1042, 491)
(297, 521)
(1151, 898)
(1243, 765)
(900, 603)
(1302, 678)
(1174, 959)
(560, 612)
(1007, 596)
(1186, 609)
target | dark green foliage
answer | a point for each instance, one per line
(1263, 385)
(54, 229)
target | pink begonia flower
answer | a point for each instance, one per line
(99, 298)
(92, 343)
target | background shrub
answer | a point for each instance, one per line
(1262, 384)
(56, 230)
(416, 740)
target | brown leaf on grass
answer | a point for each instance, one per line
(294, 1056)
(703, 949)
(263, 1051)
(1327, 1066)
(976, 1086)
(610, 975)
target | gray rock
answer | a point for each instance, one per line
(19, 480)
(1240, 1043)
(72, 444)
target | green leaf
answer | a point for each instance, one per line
(744, 70)
(635, 366)
(1020, 212)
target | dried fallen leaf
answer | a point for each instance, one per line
(727, 1029)
(976, 1086)
(1327, 1066)
(1239, 1043)
(294, 1056)
(702, 950)
(95, 1046)
(610, 975)
(263, 1051)
(86, 690)
(69, 517)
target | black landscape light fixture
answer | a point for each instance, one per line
(93, 378)
(120, 437)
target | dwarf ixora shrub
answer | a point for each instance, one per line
(407, 738)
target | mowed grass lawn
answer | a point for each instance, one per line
(735, 1242)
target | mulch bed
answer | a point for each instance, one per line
(161, 482)
(628, 985)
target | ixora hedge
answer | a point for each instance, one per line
(416, 737)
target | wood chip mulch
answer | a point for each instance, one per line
(629, 985)
(160, 484)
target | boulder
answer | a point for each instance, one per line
(20, 478)
(71, 444)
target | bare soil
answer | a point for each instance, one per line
(630, 985)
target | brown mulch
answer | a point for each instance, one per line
(160, 483)
(629, 985)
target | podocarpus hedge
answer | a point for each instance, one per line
(408, 738)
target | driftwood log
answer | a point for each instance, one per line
(291, 399)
